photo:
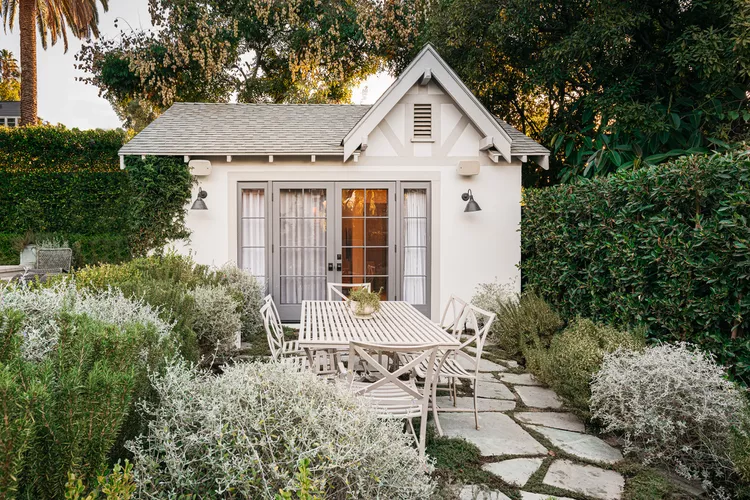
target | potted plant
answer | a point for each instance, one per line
(363, 303)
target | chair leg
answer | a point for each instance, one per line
(454, 392)
(423, 433)
(435, 410)
(476, 413)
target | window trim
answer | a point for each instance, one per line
(425, 308)
(267, 198)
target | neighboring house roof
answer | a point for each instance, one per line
(247, 129)
(10, 108)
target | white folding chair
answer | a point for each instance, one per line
(335, 294)
(453, 312)
(275, 332)
(460, 365)
(391, 396)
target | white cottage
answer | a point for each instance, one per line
(419, 194)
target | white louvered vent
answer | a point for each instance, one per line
(423, 121)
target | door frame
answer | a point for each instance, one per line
(294, 310)
(393, 279)
(429, 184)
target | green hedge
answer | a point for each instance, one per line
(664, 247)
(69, 183)
(58, 149)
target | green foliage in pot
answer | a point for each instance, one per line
(365, 299)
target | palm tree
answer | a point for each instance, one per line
(53, 19)
(8, 65)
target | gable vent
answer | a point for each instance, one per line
(423, 121)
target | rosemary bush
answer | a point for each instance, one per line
(65, 413)
(249, 432)
(575, 355)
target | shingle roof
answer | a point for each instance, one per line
(12, 108)
(256, 129)
(237, 129)
(521, 144)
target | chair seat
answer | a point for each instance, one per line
(451, 368)
(391, 400)
(291, 347)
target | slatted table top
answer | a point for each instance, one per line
(331, 325)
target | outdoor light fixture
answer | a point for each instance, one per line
(199, 204)
(472, 206)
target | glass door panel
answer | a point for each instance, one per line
(366, 235)
(302, 245)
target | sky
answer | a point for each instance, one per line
(63, 99)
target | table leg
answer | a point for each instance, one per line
(434, 396)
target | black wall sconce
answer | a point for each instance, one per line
(472, 206)
(199, 204)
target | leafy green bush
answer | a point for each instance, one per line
(117, 485)
(521, 322)
(69, 182)
(574, 356)
(68, 409)
(667, 247)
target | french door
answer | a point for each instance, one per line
(331, 232)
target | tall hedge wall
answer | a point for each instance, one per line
(665, 247)
(68, 183)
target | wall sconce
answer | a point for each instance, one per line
(472, 206)
(199, 204)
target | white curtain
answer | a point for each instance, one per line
(415, 246)
(303, 243)
(253, 237)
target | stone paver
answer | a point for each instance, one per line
(485, 365)
(498, 434)
(510, 363)
(525, 495)
(483, 404)
(516, 471)
(519, 379)
(583, 446)
(488, 377)
(476, 492)
(494, 390)
(539, 397)
(557, 420)
(585, 479)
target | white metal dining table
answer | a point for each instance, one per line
(331, 325)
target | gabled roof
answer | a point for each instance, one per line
(201, 129)
(427, 65)
(246, 129)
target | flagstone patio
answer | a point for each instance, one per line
(525, 422)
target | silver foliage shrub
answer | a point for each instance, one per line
(217, 320)
(250, 291)
(673, 405)
(249, 430)
(41, 307)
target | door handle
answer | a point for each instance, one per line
(338, 266)
(330, 266)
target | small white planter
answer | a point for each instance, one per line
(28, 256)
(368, 310)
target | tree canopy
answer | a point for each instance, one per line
(269, 51)
(606, 84)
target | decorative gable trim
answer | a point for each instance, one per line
(426, 66)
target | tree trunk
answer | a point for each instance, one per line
(27, 26)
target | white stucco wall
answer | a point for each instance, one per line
(467, 248)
